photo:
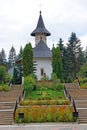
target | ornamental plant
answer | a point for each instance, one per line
(44, 102)
(45, 114)
(29, 83)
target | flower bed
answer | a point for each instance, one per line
(45, 114)
(44, 102)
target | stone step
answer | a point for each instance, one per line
(6, 117)
(82, 120)
(7, 104)
(4, 105)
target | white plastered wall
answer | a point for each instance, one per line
(43, 63)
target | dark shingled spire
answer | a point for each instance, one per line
(40, 27)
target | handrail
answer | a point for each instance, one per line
(65, 90)
(74, 105)
(16, 105)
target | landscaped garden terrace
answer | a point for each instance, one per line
(44, 101)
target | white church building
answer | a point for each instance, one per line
(42, 55)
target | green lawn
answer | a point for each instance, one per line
(48, 94)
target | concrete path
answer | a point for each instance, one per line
(48, 126)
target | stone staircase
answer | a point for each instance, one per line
(7, 104)
(73, 92)
(82, 115)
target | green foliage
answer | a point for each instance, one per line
(54, 77)
(74, 49)
(57, 62)
(46, 90)
(4, 87)
(29, 83)
(83, 70)
(17, 74)
(59, 87)
(27, 60)
(14, 80)
(4, 76)
(20, 53)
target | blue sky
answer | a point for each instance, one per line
(18, 18)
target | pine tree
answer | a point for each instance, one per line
(61, 45)
(85, 54)
(73, 50)
(20, 53)
(3, 55)
(12, 56)
(27, 60)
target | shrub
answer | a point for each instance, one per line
(4, 87)
(59, 87)
(4, 76)
(53, 77)
(29, 83)
(46, 114)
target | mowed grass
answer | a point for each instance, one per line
(43, 95)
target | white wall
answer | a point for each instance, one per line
(46, 64)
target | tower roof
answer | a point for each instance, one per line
(42, 50)
(40, 27)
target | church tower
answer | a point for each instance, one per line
(42, 55)
(40, 32)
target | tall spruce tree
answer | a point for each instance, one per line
(27, 60)
(61, 45)
(73, 46)
(3, 55)
(85, 54)
(20, 53)
(12, 56)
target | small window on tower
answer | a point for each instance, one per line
(42, 72)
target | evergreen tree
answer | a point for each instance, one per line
(80, 59)
(4, 76)
(83, 71)
(14, 80)
(61, 45)
(17, 74)
(3, 55)
(73, 50)
(12, 56)
(20, 53)
(1, 60)
(57, 62)
(67, 65)
(27, 60)
(85, 54)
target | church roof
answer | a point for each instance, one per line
(40, 27)
(42, 50)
